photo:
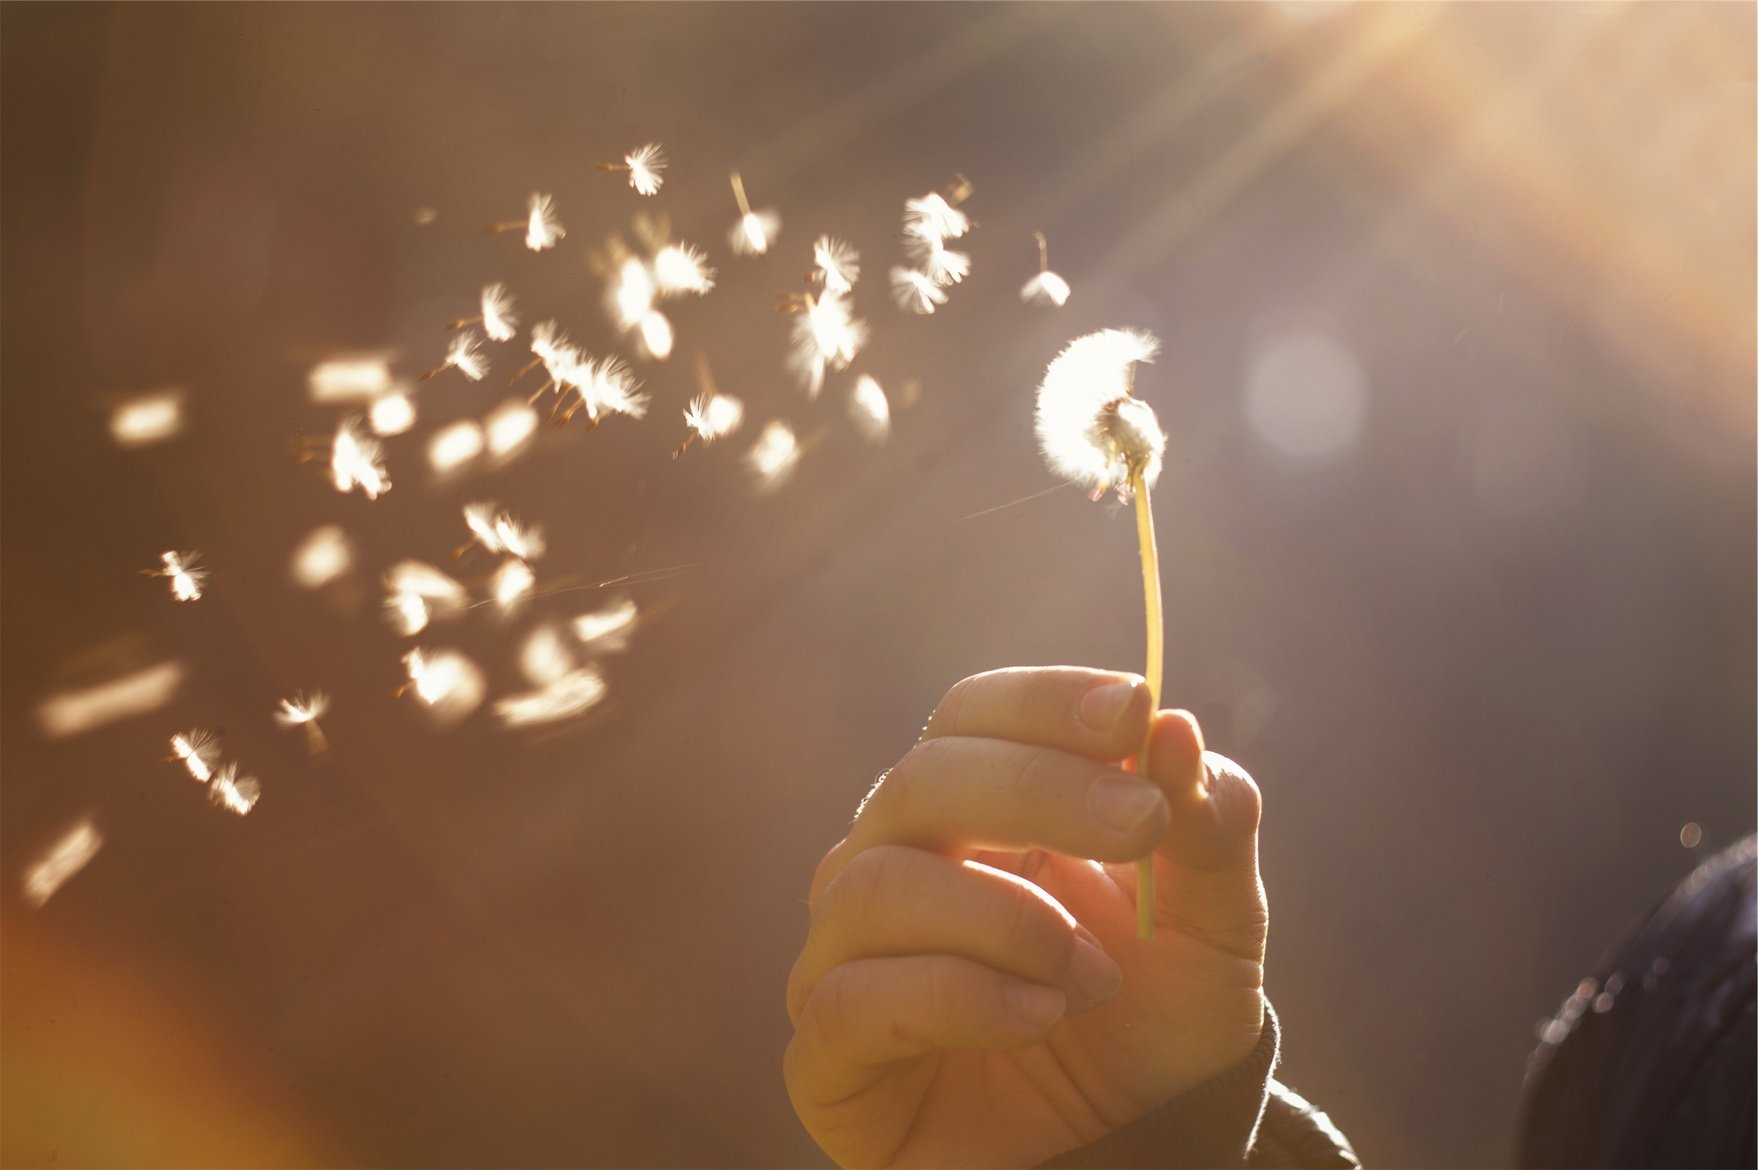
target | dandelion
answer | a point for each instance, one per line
(496, 316)
(938, 262)
(499, 531)
(608, 629)
(302, 711)
(542, 228)
(835, 264)
(233, 793)
(185, 573)
(682, 268)
(446, 682)
(417, 593)
(198, 751)
(147, 419)
(870, 408)
(391, 415)
(934, 217)
(643, 165)
(572, 694)
(356, 461)
(755, 231)
(826, 336)
(773, 455)
(1046, 288)
(709, 416)
(915, 292)
(465, 355)
(1094, 431)
(606, 386)
(511, 583)
(70, 853)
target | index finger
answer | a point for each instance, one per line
(1100, 714)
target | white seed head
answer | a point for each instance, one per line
(356, 461)
(608, 629)
(185, 572)
(1092, 430)
(497, 313)
(714, 415)
(198, 751)
(932, 218)
(938, 262)
(774, 454)
(545, 656)
(449, 684)
(1046, 288)
(754, 233)
(511, 583)
(656, 335)
(466, 355)
(301, 709)
(631, 293)
(232, 792)
(915, 292)
(644, 165)
(542, 229)
(827, 336)
(682, 268)
(870, 408)
(835, 264)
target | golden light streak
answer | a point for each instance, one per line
(75, 712)
(57, 865)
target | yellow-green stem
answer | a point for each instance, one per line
(1150, 580)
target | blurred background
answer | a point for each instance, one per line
(1457, 304)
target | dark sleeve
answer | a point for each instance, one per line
(1240, 1118)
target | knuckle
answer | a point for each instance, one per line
(872, 877)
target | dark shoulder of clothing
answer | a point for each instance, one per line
(1651, 1061)
(1241, 1118)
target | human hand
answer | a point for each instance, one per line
(972, 991)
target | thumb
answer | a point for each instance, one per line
(1206, 881)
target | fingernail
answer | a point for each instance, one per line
(1034, 1004)
(1094, 976)
(1123, 802)
(1102, 706)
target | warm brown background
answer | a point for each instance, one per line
(1484, 663)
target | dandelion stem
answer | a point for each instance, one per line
(1150, 579)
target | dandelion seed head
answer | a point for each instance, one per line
(391, 415)
(418, 592)
(1046, 288)
(714, 415)
(835, 264)
(915, 292)
(870, 408)
(939, 263)
(607, 629)
(356, 461)
(543, 229)
(774, 455)
(645, 165)
(454, 445)
(350, 377)
(682, 268)
(497, 313)
(57, 865)
(932, 218)
(548, 342)
(656, 335)
(1092, 430)
(302, 708)
(449, 684)
(186, 574)
(611, 385)
(234, 793)
(147, 419)
(827, 336)
(570, 695)
(198, 750)
(545, 656)
(754, 233)
(408, 613)
(509, 427)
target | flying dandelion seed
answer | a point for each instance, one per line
(644, 166)
(350, 378)
(545, 656)
(324, 555)
(508, 428)
(1094, 431)
(835, 264)
(870, 408)
(198, 751)
(464, 355)
(826, 336)
(1046, 288)
(446, 682)
(566, 697)
(391, 415)
(417, 593)
(57, 865)
(755, 232)
(656, 336)
(541, 226)
(608, 387)
(939, 263)
(356, 461)
(915, 292)
(233, 793)
(302, 711)
(774, 455)
(682, 268)
(631, 293)
(709, 416)
(454, 445)
(75, 712)
(147, 419)
(933, 217)
(185, 573)
(607, 630)
(511, 583)
(499, 531)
